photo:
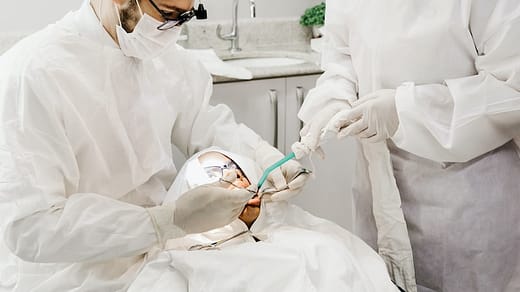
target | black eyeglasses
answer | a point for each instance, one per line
(169, 22)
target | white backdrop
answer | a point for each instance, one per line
(28, 16)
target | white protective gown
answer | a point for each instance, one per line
(286, 249)
(456, 68)
(86, 144)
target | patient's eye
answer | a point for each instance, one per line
(219, 167)
(214, 172)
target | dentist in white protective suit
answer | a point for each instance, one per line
(90, 109)
(431, 90)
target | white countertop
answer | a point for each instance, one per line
(311, 66)
(278, 38)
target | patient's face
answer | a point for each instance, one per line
(218, 165)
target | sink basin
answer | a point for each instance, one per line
(261, 62)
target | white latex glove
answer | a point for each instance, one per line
(201, 209)
(284, 178)
(312, 131)
(372, 118)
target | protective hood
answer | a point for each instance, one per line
(193, 175)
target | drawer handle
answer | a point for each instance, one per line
(300, 98)
(273, 98)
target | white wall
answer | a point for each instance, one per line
(28, 16)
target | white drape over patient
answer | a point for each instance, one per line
(296, 252)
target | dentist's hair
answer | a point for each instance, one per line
(130, 13)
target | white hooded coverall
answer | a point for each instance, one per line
(85, 145)
(455, 66)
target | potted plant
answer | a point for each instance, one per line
(315, 18)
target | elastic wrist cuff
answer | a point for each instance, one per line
(162, 219)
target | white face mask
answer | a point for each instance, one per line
(146, 41)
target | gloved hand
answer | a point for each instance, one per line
(285, 178)
(372, 117)
(201, 209)
(311, 132)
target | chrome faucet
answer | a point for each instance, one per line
(252, 7)
(233, 35)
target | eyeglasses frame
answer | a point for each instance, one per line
(170, 23)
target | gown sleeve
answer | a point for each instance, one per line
(469, 116)
(201, 125)
(339, 81)
(45, 221)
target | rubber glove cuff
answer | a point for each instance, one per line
(162, 219)
(312, 132)
(373, 118)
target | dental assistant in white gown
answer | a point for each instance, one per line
(437, 83)
(90, 109)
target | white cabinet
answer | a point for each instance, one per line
(270, 108)
(259, 104)
(329, 193)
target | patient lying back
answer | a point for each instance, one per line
(228, 170)
(219, 166)
(272, 246)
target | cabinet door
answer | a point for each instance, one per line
(258, 104)
(329, 193)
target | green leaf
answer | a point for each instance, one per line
(314, 15)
